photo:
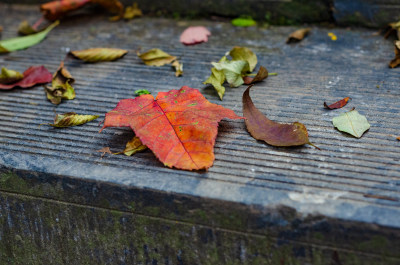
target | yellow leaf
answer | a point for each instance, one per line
(99, 54)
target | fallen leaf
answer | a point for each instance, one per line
(104, 151)
(179, 126)
(178, 68)
(260, 76)
(243, 21)
(216, 79)
(396, 61)
(298, 35)
(352, 123)
(112, 6)
(233, 71)
(332, 35)
(132, 12)
(56, 9)
(398, 138)
(273, 133)
(1, 28)
(10, 76)
(337, 105)
(156, 57)
(99, 54)
(32, 76)
(140, 92)
(244, 54)
(133, 146)
(60, 86)
(19, 43)
(70, 119)
(194, 35)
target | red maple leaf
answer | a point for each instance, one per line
(32, 76)
(179, 126)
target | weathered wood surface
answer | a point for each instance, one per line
(301, 203)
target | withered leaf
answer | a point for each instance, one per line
(60, 86)
(393, 27)
(9, 76)
(133, 146)
(352, 123)
(178, 68)
(337, 105)
(140, 92)
(112, 6)
(25, 28)
(156, 57)
(396, 61)
(273, 133)
(99, 54)
(71, 119)
(132, 12)
(32, 76)
(56, 9)
(298, 35)
(260, 76)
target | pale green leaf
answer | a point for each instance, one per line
(351, 122)
(244, 54)
(232, 71)
(19, 43)
(216, 79)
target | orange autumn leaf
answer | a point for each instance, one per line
(56, 9)
(179, 126)
(337, 105)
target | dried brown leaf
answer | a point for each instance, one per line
(298, 35)
(260, 76)
(273, 133)
(396, 61)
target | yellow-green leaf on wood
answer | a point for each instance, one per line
(19, 43)
(233, 71)
(95, 55)
(352, 123)
(134, 146)
(60, 86)
(156, 57)
(132, 12)
(216, 79)
(244, 54)
(71, 119)
(9, 76)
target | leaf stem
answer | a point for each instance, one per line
(272, 73)
(313, 145)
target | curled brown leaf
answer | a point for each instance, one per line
(298, 35)
(396, 61)
(273, 133)
(260, 76)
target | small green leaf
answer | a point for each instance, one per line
(233, 71)
(243, 21)
(95, 55)
(9, 76)
(156, 57)
(351, 122)
(244, 54)
(19, 43)
(142, 92)
(71, 119)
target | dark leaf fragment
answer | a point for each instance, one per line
(260, 76)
